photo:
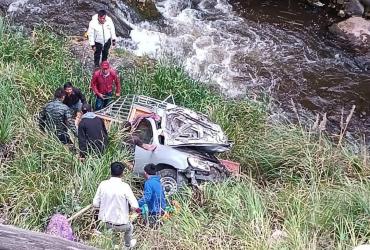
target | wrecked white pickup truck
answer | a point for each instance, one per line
(186, 141)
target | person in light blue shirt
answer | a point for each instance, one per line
(153, 196)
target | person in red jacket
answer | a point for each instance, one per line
(102, 85)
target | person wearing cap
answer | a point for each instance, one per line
(102, 34)
(154, 196)
(92, 133)
(102, 85)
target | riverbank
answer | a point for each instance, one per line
(299, 191)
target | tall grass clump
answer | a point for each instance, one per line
(298, 189)
(41, 62)
(42, 176)
(45, 178)
(231, 215)
(11, 106)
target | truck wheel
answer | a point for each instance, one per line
(171, 180)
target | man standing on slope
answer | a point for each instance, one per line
(102, 85)
(102, 35)
(92, 134)
(112, 199)
(57, 117)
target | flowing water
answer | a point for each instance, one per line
(279, 48)
(276, 48)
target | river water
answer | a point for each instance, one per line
(315, 70)
(276, 48)
(280, 49)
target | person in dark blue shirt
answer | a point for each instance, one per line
(154, 196)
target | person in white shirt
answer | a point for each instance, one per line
(113, 198)
(102, 34)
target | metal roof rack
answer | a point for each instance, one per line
(120, 110)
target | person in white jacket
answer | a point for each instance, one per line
(102, 35)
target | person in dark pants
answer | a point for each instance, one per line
(57, 117)
(74, 98)
(92, 133)
(101, 50)
(102, 35)
(113, 198)
(102, 85)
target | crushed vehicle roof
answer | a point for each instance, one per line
(180, 126)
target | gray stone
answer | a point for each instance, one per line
(72, 17)
(354, 8)
(356, 30)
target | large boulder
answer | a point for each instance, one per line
(72, 16)
(356, 30)
(354, 8)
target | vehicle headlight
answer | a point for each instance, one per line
(199, 163)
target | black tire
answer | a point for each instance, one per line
(172, 181)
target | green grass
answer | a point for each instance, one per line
(295, 182)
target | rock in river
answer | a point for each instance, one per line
(356, 30)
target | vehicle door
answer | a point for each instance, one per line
(148, 134)
(144, 131)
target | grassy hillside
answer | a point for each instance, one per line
(299, 190)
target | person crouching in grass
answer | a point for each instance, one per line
(74, 98)
(153, 196)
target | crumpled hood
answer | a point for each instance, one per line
(185, 127)
(89, 115)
